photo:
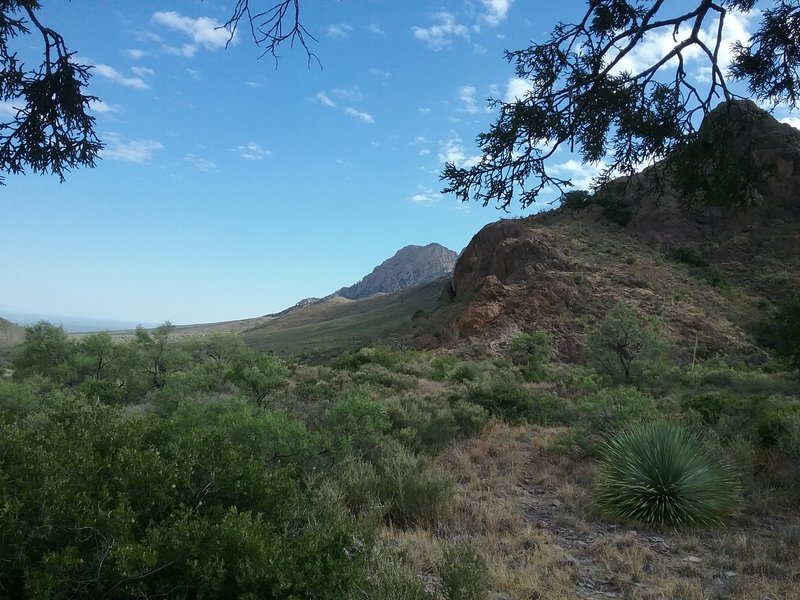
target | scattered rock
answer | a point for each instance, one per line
(693, 559)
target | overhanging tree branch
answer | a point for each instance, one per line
(585, 97)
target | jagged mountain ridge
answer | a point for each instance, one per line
(409, 267)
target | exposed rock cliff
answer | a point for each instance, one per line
(409, 267)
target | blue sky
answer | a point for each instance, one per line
(230, 187)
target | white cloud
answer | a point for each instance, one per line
(204, 31)
(142, 71)
(517, 89)
(451, 150)
(135, 151)
(440, 36)
(469, 102)
(364, 117)
(426, 195)
(424, 152)
(338, 30)
(581, 175)
(99, 106)
(112, 74)
(135, 53)
(252, 151)
(7, 109)
(496, 11)
(373, 28)
(200, 163)
(424, 110)
(354, 94)
(793, 121)
(323, 98)
(654, 46)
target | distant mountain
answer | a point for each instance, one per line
(10, 334)
(409, 267)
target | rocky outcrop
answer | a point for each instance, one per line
(409, 267)
(563, 272)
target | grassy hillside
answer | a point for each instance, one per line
(330, 327)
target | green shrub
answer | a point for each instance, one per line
(463, 572)
(694, 257)
(410, 490)
(505, 399)
(609, 409)
(508, 400)
(97, 504)
(661, 474)
(575, 201)
(380, 355)
(780, 331)
(465, 371)
(430, 424)
(356, 423)
(713, 406)
(625, 349)
(615, 208)
(531, 352)
(441, 366)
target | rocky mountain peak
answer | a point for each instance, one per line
(410, 266)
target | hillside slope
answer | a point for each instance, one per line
(706, 275)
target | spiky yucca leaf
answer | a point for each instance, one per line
(661, 474)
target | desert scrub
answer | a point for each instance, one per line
(463, 572)
(663, 475)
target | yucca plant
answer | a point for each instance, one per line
(664, 475)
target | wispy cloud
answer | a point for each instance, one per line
(352, 94)
(469, 101)
(201, 164)
(135, 53)
(112, 74)
(496, 11)
(582, 175)
(426, 196)
(452, 150)
(204, 31)
(142, 71)
(133, 151)
(338, 30)
(252, 151)
(424, 110)
(376, 29)
(324, 99)
(364, 117)
(441, 35)
(101, 107)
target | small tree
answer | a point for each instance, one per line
(624, 348)
(259, 374)
(46, 350)
(532, 352)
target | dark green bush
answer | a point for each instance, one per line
(661, 474)
(610, 409)
(780, 331)
(694, 257)
(505, 399)
(98, 505)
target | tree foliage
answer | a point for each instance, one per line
(51, 130)
(584, 98)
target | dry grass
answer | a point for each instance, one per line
(527, 508)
